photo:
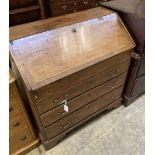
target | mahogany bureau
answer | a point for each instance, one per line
(73, 70)
(21, 134)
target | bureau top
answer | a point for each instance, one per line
(49, 56)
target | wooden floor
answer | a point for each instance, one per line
(119, 132)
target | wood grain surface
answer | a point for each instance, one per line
(49, 56)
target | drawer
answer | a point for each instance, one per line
(72, 119)
(15, 4)
(14, 107)
(55, 99)
(78, 102)
(16, 124)
(20, 140)
(24, 17)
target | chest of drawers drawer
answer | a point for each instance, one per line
(56, 98)
(14, 107)
(17, 123)
(20, 140)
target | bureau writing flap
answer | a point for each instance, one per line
(49, 56)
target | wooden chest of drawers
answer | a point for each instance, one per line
(74, 72)
(21, 134)
(60, 7)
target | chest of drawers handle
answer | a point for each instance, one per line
(113, 98)
(116, 72)
(65, 126)
(75, 3)
(75, 10)
(64, 7)
(61, 113)
(112, 85)
(23, 138)
(61, 102)
(85, 2)
(17, 124)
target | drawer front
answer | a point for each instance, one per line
(20, 140)
(16, 124)
(24, 17)
(78, 89)
(15, 4)
(78, 102)
(67, 82)
(72, 119)
(14, 107)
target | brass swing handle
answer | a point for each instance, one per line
(85, 2)
(113, 98)
(112, 85)
(65, 126)
(64, 7)
(17, 124)
(62, 113)
(61, 102)
(116, 72)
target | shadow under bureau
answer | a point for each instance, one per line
(73, 72)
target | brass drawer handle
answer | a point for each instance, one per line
(85, 2)
(64, 7)
(112, 99)
(112, 86)
(75, 10)
(61, 102)
(23, 138)
(61, 113)
(17, 124)
(10, 109)
(116, 72)
(66, 126)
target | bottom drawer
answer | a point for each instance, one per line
(72, 119)
(20, 140)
